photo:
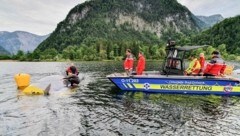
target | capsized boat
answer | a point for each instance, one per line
(45, 86)
(171, 78)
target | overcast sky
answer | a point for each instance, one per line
(227, 8)
(42, 16)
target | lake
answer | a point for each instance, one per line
(97, 107)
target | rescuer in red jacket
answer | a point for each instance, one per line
(216, 66)
(141, 64)
(128, 63)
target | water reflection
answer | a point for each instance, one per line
(185, 114)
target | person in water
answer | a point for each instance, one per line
(202, 63)
(72, 75)
(216, 66)
(141, 64)
(128, 63)
(194, 66)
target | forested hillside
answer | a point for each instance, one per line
(226, 32)
(121, 20)
(107, 27)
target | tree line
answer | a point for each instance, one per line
(107, 50)
(100, 50)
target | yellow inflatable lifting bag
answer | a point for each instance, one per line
(33, 90)
(22, 80)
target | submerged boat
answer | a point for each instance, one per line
(171, 78)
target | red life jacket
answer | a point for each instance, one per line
(202, 62)
(72, 69)
(128, 63)
(141, 65)
(215, 67)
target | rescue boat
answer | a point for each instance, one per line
(171, 78)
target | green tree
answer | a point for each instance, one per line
(19, 55)
(223, 51)
(209, 51)
(231, 57)
(49, 54)
(69, 53)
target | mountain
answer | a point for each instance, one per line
(20, 40)
(148, 21)
(210, 20)
(3, 51)
(226, 32)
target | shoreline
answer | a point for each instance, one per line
(70, 61)
(9, 61)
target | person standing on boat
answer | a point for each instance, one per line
(141, 64)
(202, 63)
(216, 66)
(194, 66)
(128, 63)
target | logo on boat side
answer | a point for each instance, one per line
(186, 82)
(146, 86)
(228, 88)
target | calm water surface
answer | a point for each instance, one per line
(98, 108)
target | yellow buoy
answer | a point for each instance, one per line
(33, 90)
(23, 84)
(22, 80)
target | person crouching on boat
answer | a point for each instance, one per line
(194, 66)
(141, 64)
(216, 66)
(72, 75)
(128, 63)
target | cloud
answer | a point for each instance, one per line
(39, 17)
(227, 8)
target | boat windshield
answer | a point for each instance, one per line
(174, 61)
